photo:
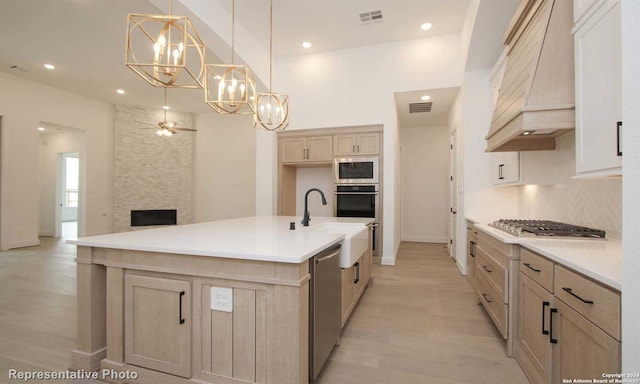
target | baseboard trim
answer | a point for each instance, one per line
(461, 268)
(23, 244)
(87, 361)
(47, 234)
(391, 260)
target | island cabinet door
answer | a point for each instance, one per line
(235, 332)
(157, 321)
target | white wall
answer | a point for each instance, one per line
(224, 179)
(477, 198)
(631, 186)
(356, 87)
(321, 178)
(424, 154)
(23, 104)
(266, 175)
(51, 146)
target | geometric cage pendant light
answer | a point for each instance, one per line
(165, 50)
(272, 109)
(230, 89)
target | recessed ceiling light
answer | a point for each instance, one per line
(306, 44)
(425, 98)
(120, 91)
(41, 129)
(50, 66)
(426, 26)
(165, 107)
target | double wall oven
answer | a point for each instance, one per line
(357, 191)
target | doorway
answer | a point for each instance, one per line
(453, 196)
(69, 182)
(61, 177)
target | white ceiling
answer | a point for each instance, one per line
(442, 99)
(335, 24)
(85, 38)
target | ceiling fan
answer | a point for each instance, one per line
(166, 128)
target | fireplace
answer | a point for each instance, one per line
(147, 217)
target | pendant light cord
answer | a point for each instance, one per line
(233, 28)
(270, 44)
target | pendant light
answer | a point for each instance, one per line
(272, 109)
(230, 89)
(165, 50)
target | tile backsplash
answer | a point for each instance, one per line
(595, 203)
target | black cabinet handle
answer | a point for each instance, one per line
(486, 298)
(472, 250)
(569, 291)
(486, 269)
(180, 318)
(618, 127)
(544, 304)
(500, 175)
(530, 267)
(357, 279)
(551, 339)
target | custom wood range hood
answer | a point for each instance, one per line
(537, 97)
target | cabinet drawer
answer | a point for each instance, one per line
(492, 302)
(597, 303)
(495, 274)
(491, 244)
(537, 268)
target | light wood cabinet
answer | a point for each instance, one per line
(357, 144)
(472, 243)
(582, 349)
(355, 279)
(306, 149)
(569, 324)
(138, 317)
(598, 53)
(157, 324)
(534, 349)
(497, 280)
(234, 344)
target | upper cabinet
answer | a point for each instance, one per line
(357, 144)
(306, 149)
(598, 76)
(536, 98)
(520, 168)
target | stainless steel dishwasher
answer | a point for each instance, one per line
(325, 295)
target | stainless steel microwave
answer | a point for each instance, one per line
(356, 170)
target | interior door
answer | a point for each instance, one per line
(453, 211)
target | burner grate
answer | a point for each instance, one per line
(553, 228)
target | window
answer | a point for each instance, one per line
(72, 175)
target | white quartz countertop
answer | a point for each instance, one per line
(264, 238)
(599, 259)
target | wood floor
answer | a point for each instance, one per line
(418, 323)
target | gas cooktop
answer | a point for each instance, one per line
(546, 228)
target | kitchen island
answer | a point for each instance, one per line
(217, 302)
